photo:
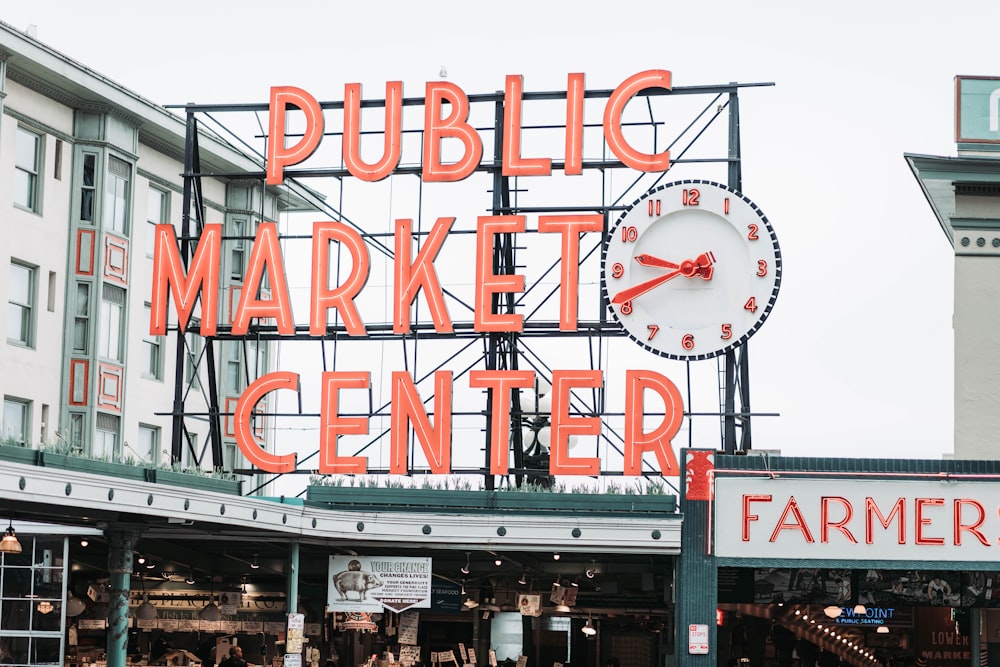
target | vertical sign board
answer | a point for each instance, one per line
(977, 109)
(698, 639)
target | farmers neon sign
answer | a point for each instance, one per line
(416, 274)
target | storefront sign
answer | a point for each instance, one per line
(977, 109)
(849, 519)
(698, 639)
(374, 583)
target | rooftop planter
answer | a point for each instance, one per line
(194, 480)
(18, 454)
(365, 498)
(122, 470)
(95, 466)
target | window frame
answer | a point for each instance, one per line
(25, 408)
(104, 336)
(162, 217)
(152, 370)
(110, 218)
(33, 173)
(24, 338)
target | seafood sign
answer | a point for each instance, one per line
(376, 583)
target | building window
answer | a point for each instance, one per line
(157, 213)
(152, 350)
(81, 320)
(88, 188)
(21, 305)
(236, 254)
(112, 311)
(16, 421)
(76, 430)
(149, 443)
(116, 195)
(106, 437)
(33, 627)
(233, 366)
(27, 167)
(193, 353)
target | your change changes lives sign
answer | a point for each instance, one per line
(374, 583)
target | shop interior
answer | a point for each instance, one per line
(195, 593)
(804, 617)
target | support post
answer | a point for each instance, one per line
(121, 545)
(696, 583)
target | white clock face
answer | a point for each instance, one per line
(691, 269)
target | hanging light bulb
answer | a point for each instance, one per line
(254, 564)
(555, 556)
(190, 579)
(10, 544)
(589, 628)
(146, 611)
(465, 568)
(524, 579)
(211, 612)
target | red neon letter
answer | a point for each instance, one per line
(630, 157)
(278, 156)
(488, 283)
(872, 511)
(574, 125)
(244, 411)
(500, 384)
(168, 273)
(454, 126)
(974, 528)
(922, 521)
(826, 524)
(266, 255)
(411, 277)
(352, 132)
(341, 298)
(560, 462)
(332, 425)
(513, 163)
(657, 440)
(570, 226)
(798, 523)
(407, 408)
(747, 516)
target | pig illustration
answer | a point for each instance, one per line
(358, 581)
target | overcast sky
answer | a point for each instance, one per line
(857, 357)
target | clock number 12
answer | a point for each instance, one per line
(691, 197)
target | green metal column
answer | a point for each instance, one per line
(121, 545)
(696, 581)
(293, 578)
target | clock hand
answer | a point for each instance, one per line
(630, 293)
(702, 267)
(649, 260)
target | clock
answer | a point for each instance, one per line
(691, 269)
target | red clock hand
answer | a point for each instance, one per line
(701, 267)
(634, 291)
(649, 260)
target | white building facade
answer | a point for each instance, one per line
(87, 168)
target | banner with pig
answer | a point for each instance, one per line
(375, 583)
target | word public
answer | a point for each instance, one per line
(442, 95)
